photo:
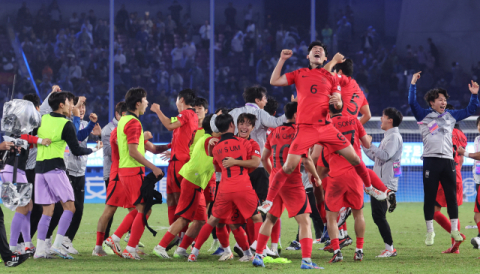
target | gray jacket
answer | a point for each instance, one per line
(107, 148)
(388, 153)
(77, 165)
(264, 121)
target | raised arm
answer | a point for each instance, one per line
(277, 79)
(417, 110)
(338, 58)
(472, 105)
(268, 120)
(167, 122)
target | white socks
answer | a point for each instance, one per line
(254, 245)
(41, 245)
(58, 241)
(454, 223)
(389, 247)
(430, 225)
(274, 246)
(131, 249)
(368, 187)
(227, 249)
(247, 252)
(115, 238)
(195, 251)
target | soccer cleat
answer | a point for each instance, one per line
(30, 251)
(192, 258)
(16, 260)
(475, 242)
(100, 253)
(325, 237)
(161, 252)
(218, 252)
(140, 251)
(377, 194)
(238, 250)
(430, 238)
(246, 258)
(329, 248)
(337, 257)
(294, 246)
(215, 245)
(114, 246)
(275, 252)
(42, 255)
(180, 254)
(48, 249)
(68, 246)
(345, 242)
(258, 261)
(226, 256)
(267, 251)
(387, 253)
(456, 245)
(392, 200)
(457, 236)
(21, 249)
(451, 250)
(317, 241)
(343, 215)
(174, 242)
(61, 252)
(265, 207)
(107, 249)
(131, 255)
(358, 256)
(308, 265)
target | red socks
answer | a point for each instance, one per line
(186, 241)
(442, 220)
(100, 237)
(171, 214)
(138, 227)
(222, 236)
(167, 239)
(276, 184)
(275, 232)
(306, 244)
(362, 171)
(240, 237)
(203, 235)
(261, 243)
(256, 230)
(250, 231)
(478, 226)
(335, 244)
(126, 223)
(360, 243)
(376, 182)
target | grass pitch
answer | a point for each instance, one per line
(407, 224)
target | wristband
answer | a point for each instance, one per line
(466, 154)
(39, 141)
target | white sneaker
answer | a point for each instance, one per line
(387, 253)
(67, 244)
(127, 237)
(476, 242)
(215, 245)
(268, 252)
(61, 252)
(48, 247)
(430, 238)
(265, 207)
(457, 236)
(131, 255)
(21, 248)
(377, 194)
(42, 255)
(114, 246)
(226, 256)
(180, 254)
(161, 252)
(100, 253)
(246, 259)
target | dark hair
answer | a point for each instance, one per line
(56, 99)
(133, 96)
(478, 120)
(333, 110)
(449, 106)
(254, 92)
(206, 124)
(346, 67)
(70, 96)
(201, 102)
(223, 109)
(121, 107)
(317, 43)
(223, 121)
(251, 118)
(395, 115)
(290, 109)
(271, 106)
(188, 96)
(433, 94)
(75, 101)
(32, 97)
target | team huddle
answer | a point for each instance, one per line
(237, 170)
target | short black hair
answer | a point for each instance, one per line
(332, 109)
(121, 107)
(133, 96)
(450, 107)
(317, 43)
(433, 94)
(223, 109)
(201, 102)
(254, 92)
(75, 101)
(206, 124)
(394, 114)
(56, 99)
(290, 109)
(223, 121)
(188, 96)
(251, 118)
(70, 96)
(32, 97)
(478, 120)
(346, 67)
(271, 106)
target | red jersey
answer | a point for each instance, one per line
(115, 155)
(352, 129)
(352, 96)
(458, 139)
(255, 151)
(279, 141)
(314, 86)
(235, 178)
(184, 135)
(337, 164)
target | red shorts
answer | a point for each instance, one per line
(116, 195)
(209, 191)
(344, 191)
(441, 195)
(191, 204)
(245, 202)
(234, 217)
(293, 197)
(174, 179)
(309, 135)
(132, 185)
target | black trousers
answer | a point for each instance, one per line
(78, 185)
(315, 215)
(4, 247)
(107, 231)
(37, 210)
(260, 182)
(443, 170)
(379, 211)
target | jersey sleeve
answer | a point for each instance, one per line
(342, 80)
(133, 130)
(267, 143)
(255, 151)
(205, 145)
(365, 101)
(291, 76)
(463, 139)
(360, 129)
(182, 118)
(335, 85)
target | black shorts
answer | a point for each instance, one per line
(260, 182)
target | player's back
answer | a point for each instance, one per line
(352, 96)
(114, 152)
(235, 178)
(352, 129)
(184, 135)
(279, 141)
(337, 164)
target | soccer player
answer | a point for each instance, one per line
(51, 181)
(184, 126)
(316, 89)
(235, 190)
(131, 170)
(292, 195)
(436, 125)
(387, 158)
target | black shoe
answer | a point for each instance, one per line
(358, 256)
(337, 257)
(238, 251)
(16, 260)
(392, 201)
(172, 244)
(345, 242)
(294, 246)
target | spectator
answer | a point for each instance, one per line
(421, 58)
(344, 35)
(162, 78)
(177, 57)
(41, 21)
(121, 19)
(248, 15)
(196, 77)
(175, 10)
(170, 27)
(120, 57)
(279, 37)
(230, 13)
(74, 22)
(55, 15)
(237, 43)
(367, 40)
(176, 81)
(189, 52)
(92, 18)
(476, 71)
(83, 36)
(205, 34)
(21, 14)
(75, 72)
(434, 51)
(27, 20)
(327, 36)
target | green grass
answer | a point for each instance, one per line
(406, 222)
